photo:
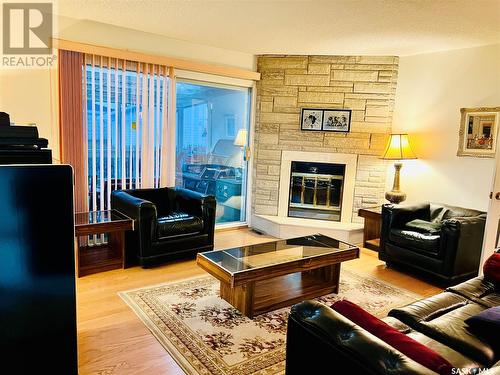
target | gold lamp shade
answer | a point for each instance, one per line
(398, 148)
(241, 138)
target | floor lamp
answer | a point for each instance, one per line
(398, 148)
(241, 141)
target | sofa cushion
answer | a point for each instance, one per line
(458, 360)
(401, 214)
(491, 269)
(451, 330)
(428, 308)
(178, 223)
(453, 211)
(442, 317)
(422, 242)
(486, 325)
(405, 344)
(424, 226)
(397, 324)
(477, 287)
(478, 290)
(491, 300)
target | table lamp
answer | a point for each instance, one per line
(398, 148)
(241, 140)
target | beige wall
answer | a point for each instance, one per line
(431, 90)
(118, 37)
(30, 97)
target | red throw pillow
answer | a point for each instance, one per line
(406, 345)
(491, 268)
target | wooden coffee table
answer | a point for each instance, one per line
(260, 278)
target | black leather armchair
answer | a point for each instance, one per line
(450, 251)
(170, 223)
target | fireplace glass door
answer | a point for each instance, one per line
(316, 190)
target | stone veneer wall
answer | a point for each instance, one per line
(365, 84)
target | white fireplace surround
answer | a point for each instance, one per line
(349, 160)
(282, 226)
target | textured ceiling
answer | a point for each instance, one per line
(385, 27)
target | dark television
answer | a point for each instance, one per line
(37, 269)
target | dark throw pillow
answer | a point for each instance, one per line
(406, 345)
(491, 269)
(486, 325)
(423, 226)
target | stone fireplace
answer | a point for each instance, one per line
(320, 202)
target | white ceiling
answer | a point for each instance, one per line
(330, 27)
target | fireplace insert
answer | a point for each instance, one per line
(316, 190)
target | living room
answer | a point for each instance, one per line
(250, 183)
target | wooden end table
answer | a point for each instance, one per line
(99, 258)
(373, 223)
(265, 277)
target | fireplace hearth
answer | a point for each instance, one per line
(316, 190)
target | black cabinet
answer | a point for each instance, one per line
(37, 270)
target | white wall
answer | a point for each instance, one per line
(29, 95)
(431, 90)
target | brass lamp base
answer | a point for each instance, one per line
(396, 196)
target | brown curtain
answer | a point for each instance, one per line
(72, 134)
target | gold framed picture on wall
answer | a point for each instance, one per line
(478, 132)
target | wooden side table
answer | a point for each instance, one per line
(371, 231)
(99, 258)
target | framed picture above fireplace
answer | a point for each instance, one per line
(328, 120)
(336, 120)
(312, 119)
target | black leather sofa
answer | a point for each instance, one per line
(320, 340)
(450, 253)
(170, 223)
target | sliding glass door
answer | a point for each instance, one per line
(128, 134)
(212, 123)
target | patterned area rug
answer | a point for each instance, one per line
(206, 335)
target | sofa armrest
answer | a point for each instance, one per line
(198, 204)
(192, 202)
(319, 338)
(133, 207)
(144, 214)
(461, 243)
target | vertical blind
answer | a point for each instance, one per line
(72, 136)
(125, 114)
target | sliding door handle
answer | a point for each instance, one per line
(497, 196)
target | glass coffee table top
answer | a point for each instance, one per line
(98, 217)
(262, 255)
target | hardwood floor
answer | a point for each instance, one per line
(112, 340)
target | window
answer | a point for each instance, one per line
(128, 142)
(212, 124)
(125, 122)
